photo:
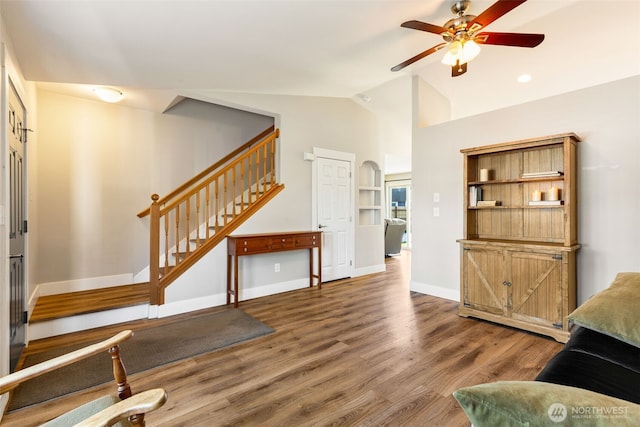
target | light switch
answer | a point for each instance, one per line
(436, 197)
(436, 211)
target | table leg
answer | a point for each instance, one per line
(311, 267)
(228, 279)
(320, 267)
(235, 282)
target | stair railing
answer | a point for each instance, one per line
(198, 215)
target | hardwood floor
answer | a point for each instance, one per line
(56, 306)
(359, 352)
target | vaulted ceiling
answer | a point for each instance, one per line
(336, 48)
(155, 50)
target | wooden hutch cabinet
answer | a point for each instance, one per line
(518, 265)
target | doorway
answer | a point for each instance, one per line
(17, 134)
(333, 211)
(399, 205)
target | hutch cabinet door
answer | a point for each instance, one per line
(535, 287)
(482, 277)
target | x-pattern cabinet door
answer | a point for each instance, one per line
(535, 287)
(483, 272)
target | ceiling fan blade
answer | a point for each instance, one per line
(418, 57)
(423, 26)
(510, 39)
(495, 11)
(458, 69)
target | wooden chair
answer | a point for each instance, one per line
(124, 408)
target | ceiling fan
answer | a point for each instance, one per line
(461, 34)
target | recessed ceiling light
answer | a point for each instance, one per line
(108, 94)
(524, 78)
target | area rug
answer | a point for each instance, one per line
(148, 348)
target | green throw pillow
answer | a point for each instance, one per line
(614, 311)
(534, 403)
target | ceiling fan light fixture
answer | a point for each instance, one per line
(461, 52)
(470, 50)
(453, 53)
(108, 94)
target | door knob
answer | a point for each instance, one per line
(322, 226)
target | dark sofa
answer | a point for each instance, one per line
(593, 381)
(596, 362)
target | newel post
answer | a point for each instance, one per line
(154, 254)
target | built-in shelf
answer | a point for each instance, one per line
(370, 194)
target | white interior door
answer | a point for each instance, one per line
(333, 206)
(17, 133)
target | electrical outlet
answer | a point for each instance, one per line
(436, 211)
(276, 267)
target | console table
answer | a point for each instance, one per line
(253, 244)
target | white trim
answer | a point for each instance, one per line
(83, 322)
(186, 306)
(84, 284)
(363, 271)
(335, 155)
(5, 321)
(436, 291)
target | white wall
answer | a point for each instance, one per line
(606, 117)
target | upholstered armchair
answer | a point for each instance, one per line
(394, 229)
(124, 407)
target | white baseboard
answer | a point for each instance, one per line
(185, 306)
(363, 271)
(142, 276)
(436, 291)
(85, 284)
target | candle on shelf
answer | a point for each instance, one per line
(553, 193)
(484, 174)
(536, 196)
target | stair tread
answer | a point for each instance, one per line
(57, 306)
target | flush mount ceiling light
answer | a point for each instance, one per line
(108, 94)
(524, 78)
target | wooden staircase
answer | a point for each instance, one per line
(194, 218)
(184, 225)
